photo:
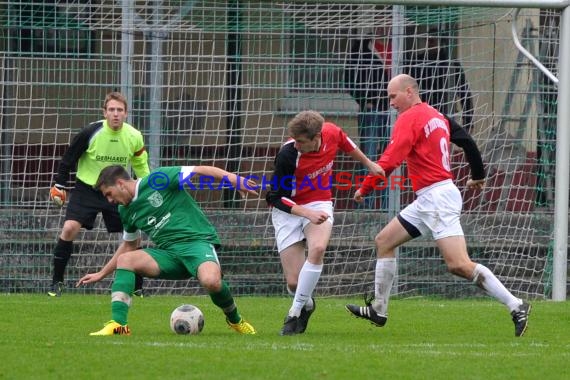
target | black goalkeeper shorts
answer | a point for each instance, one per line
(85, 203)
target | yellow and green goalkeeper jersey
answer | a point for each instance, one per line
(97, 146)
(164, 210)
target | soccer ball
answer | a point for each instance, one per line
(187, 319)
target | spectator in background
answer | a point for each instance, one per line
(367, 73)
(441, 79)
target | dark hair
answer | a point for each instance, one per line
(115, 96)
(306, 123)
(110, 175)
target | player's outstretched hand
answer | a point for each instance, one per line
(247, 187)
(57, 195)
(89, 278)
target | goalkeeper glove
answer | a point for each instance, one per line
(57, 195)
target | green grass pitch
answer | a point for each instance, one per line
(47, 338)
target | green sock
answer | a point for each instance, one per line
(121, 292)
(224, 300)
(119, 311)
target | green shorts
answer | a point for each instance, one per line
(180, 261)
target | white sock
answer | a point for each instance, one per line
(383, 281)
(308, 278)
(485, 279)
(309, 305)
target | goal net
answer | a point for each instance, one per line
(215, 83)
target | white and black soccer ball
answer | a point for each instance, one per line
(187, 319)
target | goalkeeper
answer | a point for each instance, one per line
(98, 145)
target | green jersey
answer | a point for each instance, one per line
(165, 211)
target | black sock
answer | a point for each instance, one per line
(138, 281)
(61, 255)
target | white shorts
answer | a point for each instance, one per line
(437, 208)
(289, 228)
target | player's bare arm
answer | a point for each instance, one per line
(126, 246)
(376, 170)
(245, 186)
(372, 166)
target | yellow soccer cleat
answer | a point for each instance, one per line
(113, 328)
(242, 327)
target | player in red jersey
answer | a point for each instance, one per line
(421, 136)
(302, 208)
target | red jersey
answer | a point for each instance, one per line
(421, 137)
(301, 178)
(384, 52)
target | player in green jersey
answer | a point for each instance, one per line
(185, 240)
(102, 143)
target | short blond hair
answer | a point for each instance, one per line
(306, 123)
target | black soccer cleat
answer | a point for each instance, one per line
(290, 326)
(367, 312)
(520, 318)
(56, 289)
(303, 320)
